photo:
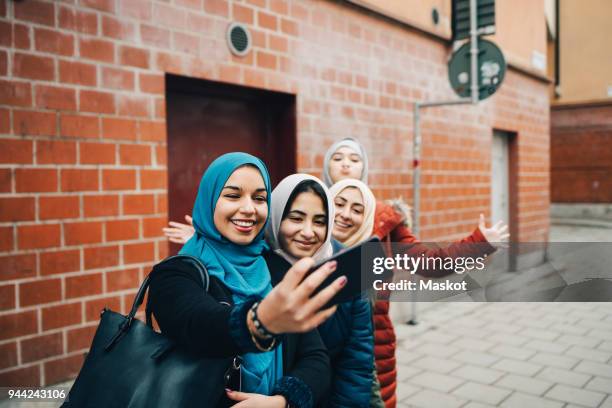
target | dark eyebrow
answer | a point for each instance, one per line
(297, 212)
(341, 198)
(239, 189)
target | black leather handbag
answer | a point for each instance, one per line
(131, 365)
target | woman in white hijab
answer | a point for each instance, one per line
(301, 219)
(355, 207)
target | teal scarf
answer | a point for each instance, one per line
(240, 267)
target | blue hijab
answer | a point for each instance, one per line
(241, 268)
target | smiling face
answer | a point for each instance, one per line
(303, 230)
(349, 213)
(242, 209)
(345, 163)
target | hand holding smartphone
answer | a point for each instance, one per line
(350, 263)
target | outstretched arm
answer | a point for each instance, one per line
(483, 241)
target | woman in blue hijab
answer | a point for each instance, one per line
(242, 313)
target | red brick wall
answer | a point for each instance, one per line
(581, 154)
(82, 145)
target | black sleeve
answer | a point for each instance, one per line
(311, 368)
(193, 318)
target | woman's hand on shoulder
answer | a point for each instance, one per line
(289, 307)
(250, 400)
(179, 233)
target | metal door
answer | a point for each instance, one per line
(207, 119)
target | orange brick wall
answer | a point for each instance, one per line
(83, 141)
(581, 154)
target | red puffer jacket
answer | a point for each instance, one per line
(389, 224)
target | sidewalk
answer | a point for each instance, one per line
(524, 355)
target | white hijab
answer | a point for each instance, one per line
(369, 202)
(280, 197)
(352, 144)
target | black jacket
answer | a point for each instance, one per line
(209, 325)
(348, 336)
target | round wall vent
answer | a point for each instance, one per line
(238, 39)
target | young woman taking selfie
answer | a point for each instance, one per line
(301, 226)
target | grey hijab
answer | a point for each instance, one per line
(352, 144)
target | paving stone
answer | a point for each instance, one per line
(606, 346)
(574, 340)
(533, 333)
(547, 346)
(593, 313)
(425, 398)
(468, 333)
(607, 403)
(570, 329)
(404, 390)
(405, 357)
(473, 404)
(600, 384)
(519, 400)
(516, 353)
(482, 393)
(600, 333)
(476, 358)
(517, 367)
(539, 323)
(594, 324)
(525, 384)
(468, 321)
(437, 336)
(478, 374)
(554, 360)
(562, 376)
(473, 344)
(439, 365)
(436, 381)
(404, 372)
(589, 354)
(589, 367)
(437, 350)
(499, 317)
(513, 340)
(409, 345)
(505, 328)
(403, 331)
(575, 395)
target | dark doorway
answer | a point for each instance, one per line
(206, 119)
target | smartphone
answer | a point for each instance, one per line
(351, 261)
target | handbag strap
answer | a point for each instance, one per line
(143, 288)
(138, 299)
